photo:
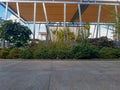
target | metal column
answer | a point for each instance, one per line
(45, 13)
(65, 33)
(98, 24)
(34, 26)
(6, 11)
(116, 13)
(18, 11)
(47, 26)
(80, 18)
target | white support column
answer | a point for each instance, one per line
(80, 17)
(45, 13)
(34, 17)
(18, 11)
(116, 13)
(65, 33)
(98, 23)
(6, 11)
(47, 26)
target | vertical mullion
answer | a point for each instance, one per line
(94, 31)
(107, 30)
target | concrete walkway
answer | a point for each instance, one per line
(59, 75)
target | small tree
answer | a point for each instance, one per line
(59, 35)
(15, 33)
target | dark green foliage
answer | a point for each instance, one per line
(76, 49)
(85, 51)
(41, 53)
(101, 42)
(14, 53)
(15, 33)
(61, 51)
(52, 54)
(109, 53)
(64, 54)
(52, 50)
(26, 54)
(4, 53)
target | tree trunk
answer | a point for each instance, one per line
(48, 38)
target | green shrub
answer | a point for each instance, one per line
(52, 50)
(109, 53)
(52, 54)
(76, 49)
(64, 54)
(85, 51)
(14, 53)
(4, 53)
(41, 53)
(26, 54)
(101, 42)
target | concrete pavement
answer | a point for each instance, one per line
(59, 75)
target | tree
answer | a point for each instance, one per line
(15, 33)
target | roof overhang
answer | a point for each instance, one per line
(55, 10)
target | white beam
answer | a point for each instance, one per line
(98, 23)
(65, 33)
(45, 13)
(34, 18)
(80, 18)
(80, 15)
(6, 10)
(47, 24)
(18, 11)
(117, 20)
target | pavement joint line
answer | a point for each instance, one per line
(50, 76)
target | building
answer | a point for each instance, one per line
(64, 12)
